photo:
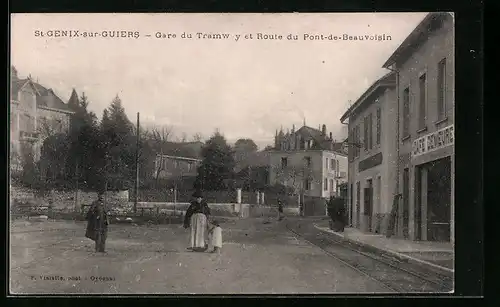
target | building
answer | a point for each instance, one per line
(308, 160)
(252, 171)
(424, 64)
(178, 160)
(372, 160)
(35, 113)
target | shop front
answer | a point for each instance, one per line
(433, 201)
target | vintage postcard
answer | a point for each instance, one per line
(232, 153)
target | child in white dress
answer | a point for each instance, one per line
(216, 236)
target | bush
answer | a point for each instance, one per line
(337, 213)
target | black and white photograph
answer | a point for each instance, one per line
(232, 153)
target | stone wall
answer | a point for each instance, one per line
(217, 209)
(67, 200)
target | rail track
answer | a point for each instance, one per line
(396, 276)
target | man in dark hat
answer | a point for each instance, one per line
(196, 219)
(280, 210)
(98, 221)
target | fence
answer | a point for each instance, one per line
(219, 197)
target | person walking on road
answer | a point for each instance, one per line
(280, 210)
(196, 219)
(97, 225)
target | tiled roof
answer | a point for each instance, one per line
(187, 150)
(45, 97)
(320, 141)
(388, 80)
(51, 100)
(430, 23)
(16, 85)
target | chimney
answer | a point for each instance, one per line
(293, 128)
(331, 136)
(323, 129)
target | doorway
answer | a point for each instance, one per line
(358, 205)
(439, 200)
(351, 207)
(368, 204)
(418, 202)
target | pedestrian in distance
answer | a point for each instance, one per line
(97, 224)
(196, 219)
(280, 210)
(215, 234)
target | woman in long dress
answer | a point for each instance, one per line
(196, 219)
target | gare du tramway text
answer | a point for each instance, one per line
(214, 36)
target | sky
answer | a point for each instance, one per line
(244, 87)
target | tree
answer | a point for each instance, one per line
(217, 167)
(119, 144)
(54, 156)
(159, 137)
(243, 148)
(83, 141)
(183, 137)
(268, 148)
(30, 174)
(295, 175)
(197, 137)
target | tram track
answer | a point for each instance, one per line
(393, 274)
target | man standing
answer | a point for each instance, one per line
(280, 210)
(97, 227)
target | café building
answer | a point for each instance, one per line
(424, 65)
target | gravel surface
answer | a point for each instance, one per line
(55, 257)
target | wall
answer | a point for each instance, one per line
(334, 174)
(176, 167)
(65, 200)
(383, 194)
(217, 209)
(58, 121)
(439, 45)
(296, 162)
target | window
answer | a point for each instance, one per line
(441, 80)
(326, 163)
(337, 167)
(422, 86)
(307, 161)
(326, 184)
(365, 134)
(331, 185)
(406, 112)
(284, 162)
(350, 149)
(357, 142)
(307, 184)
(302, 143)
(332, 164)
(28, 123)
(379, 125)
(370, 131)
(189, 166)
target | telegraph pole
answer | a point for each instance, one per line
(136, 196)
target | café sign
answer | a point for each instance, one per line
(433, 141)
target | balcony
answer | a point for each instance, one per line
(340, 175)
(29, 136)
